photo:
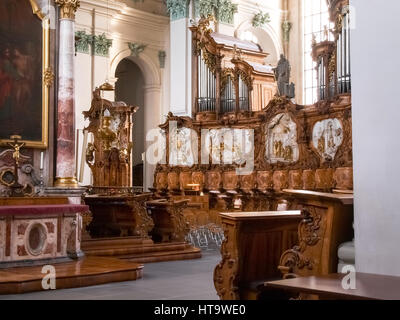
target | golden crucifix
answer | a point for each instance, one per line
(16, 146)
(16, 156)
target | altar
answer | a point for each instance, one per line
(39, 234)
(47, 231)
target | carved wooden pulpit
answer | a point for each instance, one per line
(109, 156)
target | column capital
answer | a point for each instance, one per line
(68, 8)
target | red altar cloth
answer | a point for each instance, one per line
(43, 209)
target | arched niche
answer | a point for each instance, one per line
(152, 99)
(129, 88)
(267, 39)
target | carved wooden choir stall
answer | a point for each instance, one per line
(277, 155)
(121, 224)
(253, 244)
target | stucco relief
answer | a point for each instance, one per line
(183, 148)
(22, 242)
(281, 140)
(327, 138)
(229, 146)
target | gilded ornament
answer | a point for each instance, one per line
(68, 8)
(332, 66)
(226, 74)
(210, 60)
(48, 77)
(246, 78)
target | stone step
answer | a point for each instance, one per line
(188, 253)
(117, 251)
(122, 241)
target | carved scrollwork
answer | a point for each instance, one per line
(87, 218)
(144, 223)
(181, 226)
(294, 259)
(210, 60)
(309, 227)
(291, 260)
(332, 66)
(246, 78)
(226, 272)
(226, 73)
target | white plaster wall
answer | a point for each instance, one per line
(376, 112)
(296, 46)
(180, 44)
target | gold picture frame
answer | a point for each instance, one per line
(47, 82)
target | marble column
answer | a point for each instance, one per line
(66, 162)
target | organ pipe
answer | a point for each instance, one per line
(343, 56)
(207, 87)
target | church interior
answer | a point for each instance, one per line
(199, 149)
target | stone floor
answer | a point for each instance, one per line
(175, 280)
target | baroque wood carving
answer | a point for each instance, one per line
(327, 223)
(309, 235)
(226, 272)
(109, 156)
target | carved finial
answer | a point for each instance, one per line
(237, 53)
(314, 39)
(205, 23)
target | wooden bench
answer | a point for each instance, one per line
(328, 287)
(327, 223)
(254, 242)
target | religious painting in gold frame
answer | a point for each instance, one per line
(25, 73)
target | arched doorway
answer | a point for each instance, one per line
(129, 88)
